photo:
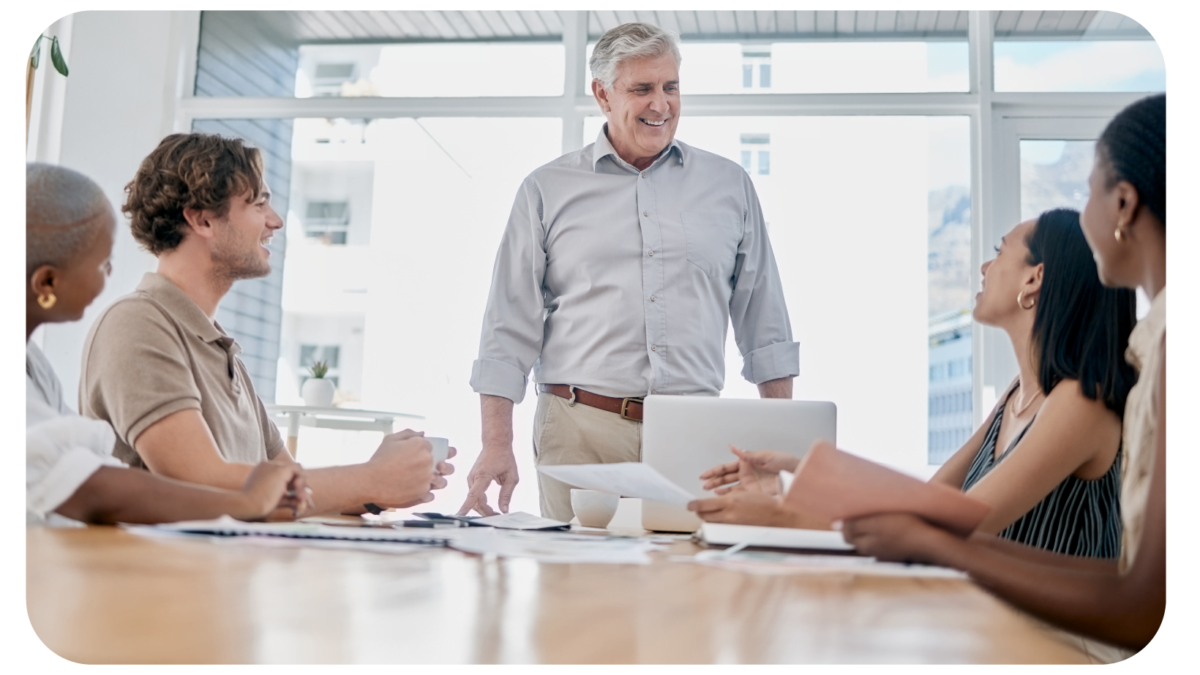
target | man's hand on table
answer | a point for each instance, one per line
(496, 463)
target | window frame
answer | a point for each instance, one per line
(998, 121)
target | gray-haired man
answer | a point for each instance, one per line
(617, 276)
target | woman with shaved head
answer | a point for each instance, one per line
(70, 474)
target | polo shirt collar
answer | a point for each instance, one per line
(187, 312)
(603, 148)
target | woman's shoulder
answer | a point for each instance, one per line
(1068, 397)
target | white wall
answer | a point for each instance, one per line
(102, 120)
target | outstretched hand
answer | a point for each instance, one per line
(755, 471)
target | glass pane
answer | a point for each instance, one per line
(1054, 174)
(1088, 51)
(869, 219)
(790, 51)
(433, 70)
(402, 301)
(378, 53)
(821, 67)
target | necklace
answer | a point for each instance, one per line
(1022, 409)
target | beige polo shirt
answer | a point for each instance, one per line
(153, 353)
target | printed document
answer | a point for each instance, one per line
(627, 479)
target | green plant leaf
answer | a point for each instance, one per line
(319, 369)
(35, 55)
(56, 57)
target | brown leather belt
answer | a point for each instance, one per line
(628, 408)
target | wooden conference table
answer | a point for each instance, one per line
(102, 595)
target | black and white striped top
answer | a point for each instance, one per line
(1078, 517)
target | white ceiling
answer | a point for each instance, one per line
(424, 26)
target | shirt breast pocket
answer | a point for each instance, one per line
(712, 241)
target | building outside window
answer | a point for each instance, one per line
(327, 222)
(756, 154)
(756, 67)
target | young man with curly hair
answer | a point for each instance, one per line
(159, 368)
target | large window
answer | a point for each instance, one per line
(870, 138)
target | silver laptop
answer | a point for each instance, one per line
(684, 435)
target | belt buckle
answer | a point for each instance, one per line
(571, 400)
(625, 404)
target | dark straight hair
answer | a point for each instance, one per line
(1081, 328)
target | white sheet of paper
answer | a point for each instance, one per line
(519, 520)
(554, 547)
(627, 479)
(773, 563)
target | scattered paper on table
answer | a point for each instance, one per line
(555, 547)
(774, 563)
(519, 520)
(228, 527)
(627, 479)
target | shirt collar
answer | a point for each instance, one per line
(1148, 333)
(187, 312)
(603, 148)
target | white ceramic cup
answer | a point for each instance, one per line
(594, 508)
(441, 448)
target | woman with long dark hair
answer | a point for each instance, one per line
(1120, 603)
(1047, 457)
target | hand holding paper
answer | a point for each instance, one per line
(627, 479)
(837, 485)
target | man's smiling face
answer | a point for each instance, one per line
(642, 108)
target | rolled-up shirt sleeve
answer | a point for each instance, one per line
(513, 322)
(757, 309)
(61, 453)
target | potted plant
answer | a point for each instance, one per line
(318, 391)
(35, 57)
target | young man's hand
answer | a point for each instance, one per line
(272, 486)
(401, 471)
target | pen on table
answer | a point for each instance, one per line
(734, 549)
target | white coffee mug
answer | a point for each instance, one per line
(441, 448)
(594, 508)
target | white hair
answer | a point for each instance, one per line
(630, 41)
(63, 211)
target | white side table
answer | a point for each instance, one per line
(333, 418)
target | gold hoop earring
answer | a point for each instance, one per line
(1119, 234)
(47, 301)
(1021, 301)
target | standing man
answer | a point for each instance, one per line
(617, 276)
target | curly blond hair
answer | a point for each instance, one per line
(188, 171)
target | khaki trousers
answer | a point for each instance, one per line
(577, 434)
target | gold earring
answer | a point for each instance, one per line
(47, 301)
(1021, 301)
(1119, 233)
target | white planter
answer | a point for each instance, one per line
(317, 392)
